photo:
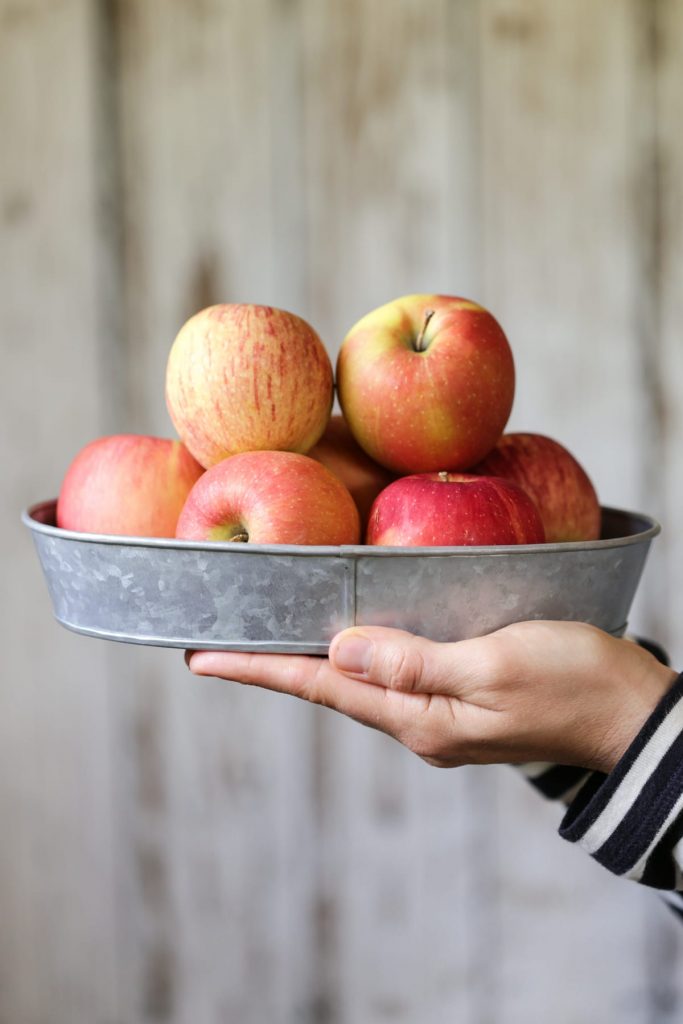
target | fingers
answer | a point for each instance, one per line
(311, 679)
(411, 664)
(292, 674)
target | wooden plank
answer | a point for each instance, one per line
(560, 259)
(662, 351)
(390, 171)
(563, 175)
(57, 898)
(390, 155)
(663, 272)
(214, 803)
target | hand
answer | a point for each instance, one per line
(535, 691)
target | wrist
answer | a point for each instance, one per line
(637, 699)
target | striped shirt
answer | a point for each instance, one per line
(630, 821)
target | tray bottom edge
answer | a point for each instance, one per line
(246, 647)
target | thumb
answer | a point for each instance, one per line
(397, 660)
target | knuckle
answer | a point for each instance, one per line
(427, 737)
(434, 752)
(316, 692)
(493, 661)
(306, 682)
(293, 677)
(403, 668)
(418, 743)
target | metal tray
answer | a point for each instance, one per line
(281, 598)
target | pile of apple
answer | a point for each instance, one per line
(419, 457)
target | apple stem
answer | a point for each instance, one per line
(429, 313)
(240, 538)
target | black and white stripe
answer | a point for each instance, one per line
(631, 821)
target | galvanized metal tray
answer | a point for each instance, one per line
(281, 598)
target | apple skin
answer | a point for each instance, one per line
(558, 484)
(453, 509)
(127, 485)
(270, 498)
(365, 478)
(418, 411)
(246, 378)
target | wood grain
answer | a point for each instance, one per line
(59, 839)
(214, 799)
(391, 162)
(661, 601)
(566, 172)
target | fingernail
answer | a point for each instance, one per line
(353, 654)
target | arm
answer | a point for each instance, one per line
(531, 693)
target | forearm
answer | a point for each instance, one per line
(527, 694)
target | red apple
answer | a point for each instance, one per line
(127, 484)
(452, 509)
(426, 381)
(558, 484)
(247, 378)
(270, 498)
(364, 477)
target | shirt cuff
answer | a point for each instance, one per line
(554, 781)
(631, 821)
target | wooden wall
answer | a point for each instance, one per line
(179, 850)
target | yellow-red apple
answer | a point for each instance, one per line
(246, 378)
(338, 450)
(270, 498)
(558, 484)
(426, 382)
(127, 484)
(453, 509)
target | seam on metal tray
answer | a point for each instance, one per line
(348, 609)
(354, 609)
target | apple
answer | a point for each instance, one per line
(426, 381)
(246, 378)
(453, 509)
(270, 498)
(127, 484)
(558, 484)
(365, 478)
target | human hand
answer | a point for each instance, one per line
(534, 691)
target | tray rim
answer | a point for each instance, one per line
(343, 551)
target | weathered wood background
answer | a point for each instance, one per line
(182, 851)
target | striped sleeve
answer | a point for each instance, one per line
(555, 781)
(631, 821)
